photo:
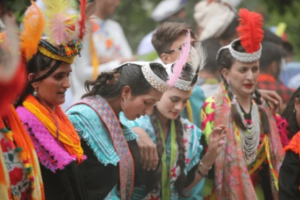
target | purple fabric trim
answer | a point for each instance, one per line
(50, 151)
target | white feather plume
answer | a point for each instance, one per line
(197, 57)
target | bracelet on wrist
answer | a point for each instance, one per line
(205, 167)
(201, 174)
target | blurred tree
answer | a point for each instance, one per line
(135, 18)
(291, 18)
(17, 6)
(281, 6)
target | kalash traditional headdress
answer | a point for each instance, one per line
(152, 78)
(191, 56)
(250, 36)
(149, 75)
(64, 30)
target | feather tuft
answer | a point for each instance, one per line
(250, 30)
(82, 28)
(181, 61)
(34, 23)
(197, 57)
(61, 22)
(197, 60)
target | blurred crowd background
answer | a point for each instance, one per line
(135, 17)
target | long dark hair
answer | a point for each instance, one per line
(37, 63)
(289, 114)
(225, 60)
(130, 75)
(109, 88)
(187, 75)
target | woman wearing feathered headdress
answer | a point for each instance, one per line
(54, 138)
(248, 165)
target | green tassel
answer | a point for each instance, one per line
(4, 130)
(19, 149)
(29, 170)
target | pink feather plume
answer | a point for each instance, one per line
(82, 29)
(181, 61)
(61, 26)
(60, 34)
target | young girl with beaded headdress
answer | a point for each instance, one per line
(112, 168)
(20, 176)
(54, 138)
(248, 165)
(177, 139)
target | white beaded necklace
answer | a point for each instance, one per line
(250, 137)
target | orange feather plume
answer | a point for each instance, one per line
(34, 23)
(250, 30)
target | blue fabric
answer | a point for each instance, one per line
(196, 100)
(90, 128)
(288, 72)
(196, 193)
(113, 195)
(87, 123)
(194, 153)
(145, 46)
(294, 83)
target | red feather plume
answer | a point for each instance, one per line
(82, 29)
(250, 30)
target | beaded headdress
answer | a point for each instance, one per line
(64, 30)
(192, 57)
(250, 36)
(149, 75)
(152, 78)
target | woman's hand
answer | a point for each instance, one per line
(216, 142)
(148, 151)
(273, 98)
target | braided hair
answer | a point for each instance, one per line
(187, 74)
(225, 60)
(109, 85)
(37, 63)
(180, 183)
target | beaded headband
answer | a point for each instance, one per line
(180, 84)
(241, 56)
(195, 61)
(65, 53)
(149, 75)
(153, 79)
